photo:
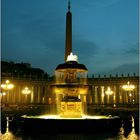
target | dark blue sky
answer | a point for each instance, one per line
(104, 33)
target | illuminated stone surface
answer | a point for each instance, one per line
(71, 109)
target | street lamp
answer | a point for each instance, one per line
(26, 91)
(3, 94)
(6, 86)
(108, 92)
(129, 87)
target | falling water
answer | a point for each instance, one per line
(8, 135)
(132, 135)
(133, 124)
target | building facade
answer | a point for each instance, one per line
(101, 91)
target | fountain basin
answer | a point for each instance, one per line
(57, 124)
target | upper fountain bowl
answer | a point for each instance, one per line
(71, 65)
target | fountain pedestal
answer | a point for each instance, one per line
(71, 109)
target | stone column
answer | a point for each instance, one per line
(19, 92)
(137, 94)
(121, 92)
(32, 94)
(117, 94)
(35, 94)
(96, 98)
(99, 94)
(111, 96)
(114, 96)
(38, 93)
(102, 95)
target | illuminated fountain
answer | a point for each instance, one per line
(71, 87)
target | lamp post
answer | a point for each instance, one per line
(128, 88)
(108, 92)
(26, 91)
(1, 96)
(6, 86)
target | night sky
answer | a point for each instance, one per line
(104, 34)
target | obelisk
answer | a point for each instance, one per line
(68, 41)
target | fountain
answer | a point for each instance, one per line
(70, 88)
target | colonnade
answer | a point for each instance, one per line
(97, 95)
(41, 93)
